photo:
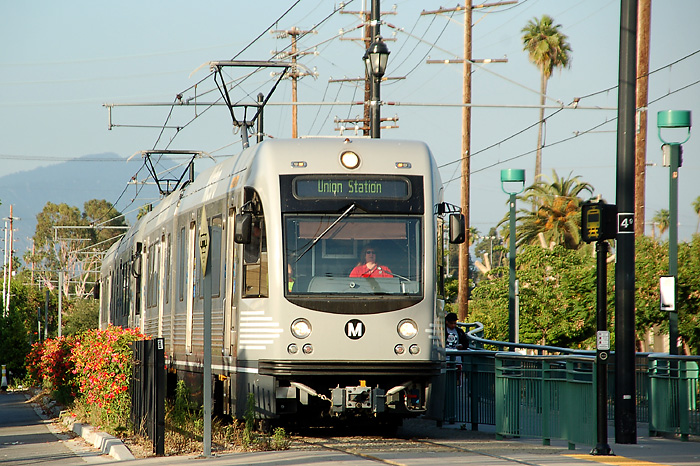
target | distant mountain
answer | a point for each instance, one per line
(97, 176)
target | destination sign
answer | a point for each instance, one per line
(351, 188)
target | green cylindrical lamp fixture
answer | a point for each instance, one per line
(672, 120)
(512, 183)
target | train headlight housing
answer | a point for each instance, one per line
(350, 160)
(399, 349)
(307, 348)
(407, 329)
(414, 349)
(301, 328)
(292, 348)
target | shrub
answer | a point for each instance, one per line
(102, 361)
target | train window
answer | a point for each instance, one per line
(255, 277)
(167, 269)
(357, 255)
(215, 255)
(181, 264)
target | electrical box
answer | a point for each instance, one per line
(598, 221)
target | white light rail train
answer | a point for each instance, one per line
(293, 321)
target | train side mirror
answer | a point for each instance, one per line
(457, 229)
(243, 228)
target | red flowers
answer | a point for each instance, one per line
(97, 363)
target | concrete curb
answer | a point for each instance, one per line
(108, 444)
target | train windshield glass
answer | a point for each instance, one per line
(357, 255)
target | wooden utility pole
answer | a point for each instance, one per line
(294, 74)
(467, 60)
(640, 159)
(370, 30)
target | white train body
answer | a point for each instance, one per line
(322, 344)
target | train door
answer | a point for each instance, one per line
(190, 291)
(230, 307)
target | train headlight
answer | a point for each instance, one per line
(414, 349)
(301, 328)
(350, 160)
(407, 329)
(292, 349)
(399, 349)
(307, 348)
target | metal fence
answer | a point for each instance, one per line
(554, 396)
(147, 389)
(674, 384)
(548, 397)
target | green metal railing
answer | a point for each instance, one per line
(469, 389)
(526, 395)
(548, 397)
(674, 382)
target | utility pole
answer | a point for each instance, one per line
(293, 73)
(640, 159)
(467, 60)
(9, 254)
(370, 30)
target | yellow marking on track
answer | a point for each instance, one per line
(616, 460)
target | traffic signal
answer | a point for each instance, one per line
(598, 221)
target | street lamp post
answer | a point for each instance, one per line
(673, 151)
(512, 183)
(375, 59)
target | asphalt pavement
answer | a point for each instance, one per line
(29, 438)
(26, 438)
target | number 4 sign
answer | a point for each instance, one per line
(625, 222)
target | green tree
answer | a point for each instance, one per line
(554, 211)
(662, 219)
(547, 48)
(69, 240)
(557, 298)
(81, 315)
(696, 208)
(651, 262)
(689, 293)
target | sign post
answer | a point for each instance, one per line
(206, 291)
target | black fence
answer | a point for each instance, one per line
(148, 391)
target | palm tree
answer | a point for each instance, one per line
(548, 49)
(662, 219)
(555, 212)
(696, 207)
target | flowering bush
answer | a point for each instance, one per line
(102, 361)
(50, 365)
(95, 366)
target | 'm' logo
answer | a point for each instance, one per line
(354, 329)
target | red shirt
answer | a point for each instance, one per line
(364, 271)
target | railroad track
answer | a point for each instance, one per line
(376, 448)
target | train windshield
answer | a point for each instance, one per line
(353, 255)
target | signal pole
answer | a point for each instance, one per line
(467, 60)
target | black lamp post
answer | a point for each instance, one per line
(375, 59)
(512, 183)
(669, 119)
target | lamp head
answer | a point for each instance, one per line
(376, 57)
(514, 179)
(673, 119)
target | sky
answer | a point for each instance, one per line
(62, 61)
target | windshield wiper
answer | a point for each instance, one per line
(318, 238)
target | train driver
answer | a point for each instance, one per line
(368, 265)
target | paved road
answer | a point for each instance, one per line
(27, 439)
